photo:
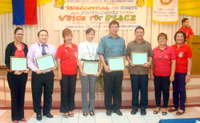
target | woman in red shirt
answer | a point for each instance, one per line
(163, 71)
(17, 79)
(182, 72)
(67, 69)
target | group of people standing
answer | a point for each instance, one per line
(167, 63)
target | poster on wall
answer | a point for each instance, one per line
(82, 14)
(165, 11)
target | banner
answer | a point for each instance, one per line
(165, 11)
(82, 14)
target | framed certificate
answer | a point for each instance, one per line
(45, 62)
(90, 67)
(138, 58)
(18, 63)
(116, 63)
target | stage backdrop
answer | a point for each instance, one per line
(82, 14)
(46, 21)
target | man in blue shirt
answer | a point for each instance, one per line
(112, 45)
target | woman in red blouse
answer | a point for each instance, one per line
(17, 79)
(66, 55)
(182, 72)
(163, 71)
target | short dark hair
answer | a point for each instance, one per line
(184, 20)
(113, 23)
(42, 31)
(162, 34)
(180, 32)
(90, 30)
(18, 28)
(139, 27)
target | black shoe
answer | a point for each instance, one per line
(108, 112)
(91, 113)
(143, 112)
(118, 112)
(134, 111)
(49, 115)
(39, 116)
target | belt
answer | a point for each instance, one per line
(89, 60)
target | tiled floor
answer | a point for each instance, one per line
(101, 117)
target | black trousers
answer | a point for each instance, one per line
(112, 88)
(179, 91)
(68, 87)
(161, 85)
(139, 83)
(40, 82)
(17, 85)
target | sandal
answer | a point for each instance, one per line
(71, 114)
(91, 113)
(66, 115)
(156, 110)
(180, 112)
(85, 114)
(164, 112)
(173, 109)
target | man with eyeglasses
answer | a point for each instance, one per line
(41, 79)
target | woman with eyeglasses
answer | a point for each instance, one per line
(163, 69)
(66, 55)
(17, 79)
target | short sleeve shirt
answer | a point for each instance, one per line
(111, 47)
(144, 47)
(162, 61)
(68, 59)
(182, 54)
(188, 31)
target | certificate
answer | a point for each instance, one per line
(45, 62)
(138, 58)
(116, 63)
(90, 67)
(18, 63)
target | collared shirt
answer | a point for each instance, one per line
(182, 54)
(188, 31)
(88, 51)
(111, 47)
(162, 61)
(144, 47)
(68, 59)
(35, 51)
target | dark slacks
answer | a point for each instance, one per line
(112, 88)
(161, 85)
(39, 82)
(179, 92)
(68, 88)
(17, 85)
(139, 83)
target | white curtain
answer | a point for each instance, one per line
(45, 21)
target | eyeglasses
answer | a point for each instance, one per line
(162, 39)
(19, 34)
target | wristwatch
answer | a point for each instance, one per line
(188, 73)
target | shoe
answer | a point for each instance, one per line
(108, 112)
(66, 115)
(173, 109)
(85, 114)
(71, 114)
(143, 112)
(23, 120)
(118, 112)
(39, 116)
(134, 111)
(156, 110)
(49, 115)
(91, 113)
(15, 121)
(180, 112)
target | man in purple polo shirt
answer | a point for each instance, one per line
(41, 78)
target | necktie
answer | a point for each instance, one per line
(43, 50)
